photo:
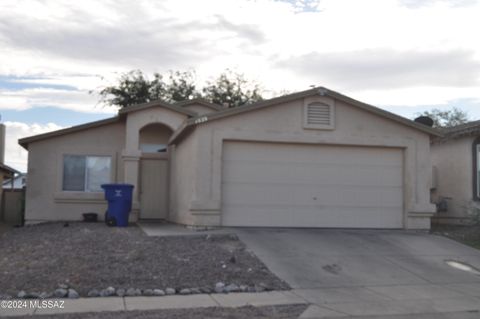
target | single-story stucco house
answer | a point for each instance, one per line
(314, 158)
(456, 164)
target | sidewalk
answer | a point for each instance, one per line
(166, 302)
(324, 303)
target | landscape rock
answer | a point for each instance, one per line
(206, 290)
(195, 291)
(72, 294)
(22, 294)
(265, 286)
(170, 291)
(130, 292)
(148, 292)
(110, 291)
(259, 288)
(168, 259)
(219, 287)
(232, 288)
(185, 291)
(45, 295)
(121, 292)
(32, 295)
(93, 293)
(60, 293)
(158, 292)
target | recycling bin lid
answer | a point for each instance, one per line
(116, 185)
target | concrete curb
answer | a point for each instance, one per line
(83, 305)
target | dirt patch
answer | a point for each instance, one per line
(280, 312)
(469, 235)
(4, 228)
(91, 255)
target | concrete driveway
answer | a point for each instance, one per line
(371, 272)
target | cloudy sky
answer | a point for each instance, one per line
(405, 56)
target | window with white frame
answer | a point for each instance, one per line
(83, 173)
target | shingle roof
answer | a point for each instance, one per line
(8, 170)
(204, 119)
(222, 113)
(467, 129)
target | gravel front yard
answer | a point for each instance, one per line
(39, 258)
(468, 235)
(249, 312)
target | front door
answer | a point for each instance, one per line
(153, 188)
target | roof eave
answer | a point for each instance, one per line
(8, 169)
(172, 107)
(200, 101)
(312, 92)
(373, 109)
(27, 140)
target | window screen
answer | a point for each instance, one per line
(85, 173)
(73, 173)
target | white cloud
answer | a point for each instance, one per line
(75, 100)
(15, 155)
(386, 68)
(371, 46)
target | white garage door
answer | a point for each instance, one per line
(298, 185)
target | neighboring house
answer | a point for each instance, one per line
(456, 162)
(315, 158)
(6, 172)
(18, 182)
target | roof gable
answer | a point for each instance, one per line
(27, 140)
(312, 92)
(200, 101)
(459, 131)
(158, 103)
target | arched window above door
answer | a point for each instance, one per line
(153, 138)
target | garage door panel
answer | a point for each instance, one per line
(257, 194)
(268, 193)
(248, 216)
(303, 153)
(324, 217)
(361, 175)
(291, 185)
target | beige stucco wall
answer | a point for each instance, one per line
(196, 162)
(155, 134)
(453, 165)
(45, 199)
(182, 175)
(131, 153)
(284, 123)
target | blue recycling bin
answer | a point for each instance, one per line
(119, 197)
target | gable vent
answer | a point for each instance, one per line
(318, 114)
